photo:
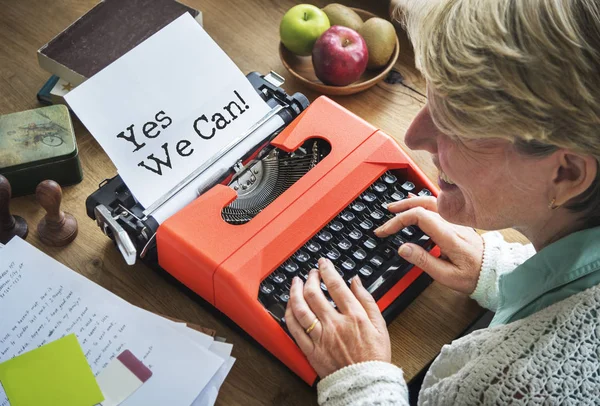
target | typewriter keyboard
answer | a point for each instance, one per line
(349, 242)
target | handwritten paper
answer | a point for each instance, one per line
(54, 374)
(48, 301)
(167, 106)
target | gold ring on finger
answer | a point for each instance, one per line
(312, 326)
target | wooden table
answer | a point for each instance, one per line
(248, 32)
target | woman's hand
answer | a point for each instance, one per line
(462, 248)
(335, 339)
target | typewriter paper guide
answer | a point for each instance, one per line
(167, 106)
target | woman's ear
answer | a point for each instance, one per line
(574, 174)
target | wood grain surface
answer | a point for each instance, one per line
(248, 31)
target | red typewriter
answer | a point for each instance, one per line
(241, 254)
(318, 188)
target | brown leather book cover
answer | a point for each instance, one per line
(105, 33)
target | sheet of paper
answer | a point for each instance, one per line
(209, 394)
(48, 300)
(54, 374)
(167, 106)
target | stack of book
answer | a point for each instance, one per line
(98, 38)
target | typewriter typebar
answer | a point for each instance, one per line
(121, 217)
(319, 189)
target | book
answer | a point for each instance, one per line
(54, 91)
(104, 34)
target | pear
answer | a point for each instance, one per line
(339, 14)
(380, 36)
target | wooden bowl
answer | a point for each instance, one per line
(301, 68)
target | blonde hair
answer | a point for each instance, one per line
(523, 70)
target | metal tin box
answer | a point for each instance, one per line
(36, 145)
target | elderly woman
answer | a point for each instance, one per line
(513, 125)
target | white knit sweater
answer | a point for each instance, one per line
(550, 357)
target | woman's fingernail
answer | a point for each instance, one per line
(379, 229)
(321, 262)
(295, 280)
(410, 194)
(405, 250)
(358, 281)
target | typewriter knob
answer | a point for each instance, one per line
(9, 225)
(57, 228)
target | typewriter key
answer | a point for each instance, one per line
(325, 236)
(359, 254)
(290, 266)
(347, 216)
(370, 243)
(379, 187)
(408, 187)
(389, 178)
(376, 261)
(355, 234)
(397, 196)
(365, 271)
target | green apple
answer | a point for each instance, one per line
(301, 26)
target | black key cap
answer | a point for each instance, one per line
(266, 288)
(377, 215)
(370, 243)
(366, 224)
(369, 197)
(333, 254)
(358, 206)
(347, 216)
(278, 278)
(290, 266)
(355, 234)
(425, 192)
(397, 240)
(365, 271)
(379, 187)
(386, 203)
(388, 252)
(376, 261)
(344, 244)
(325, 236)
(301, 256)
(284, 297)
(313, 246)
(359, 254)
(397, 196)
(336, 226)
(408, 232)
(348, 264)
(408, 186)
(389, 178)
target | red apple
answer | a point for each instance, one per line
(340, 56)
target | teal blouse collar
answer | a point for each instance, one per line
(563, 268)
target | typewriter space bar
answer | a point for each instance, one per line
(389, 277)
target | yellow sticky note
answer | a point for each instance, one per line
(54, 374)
